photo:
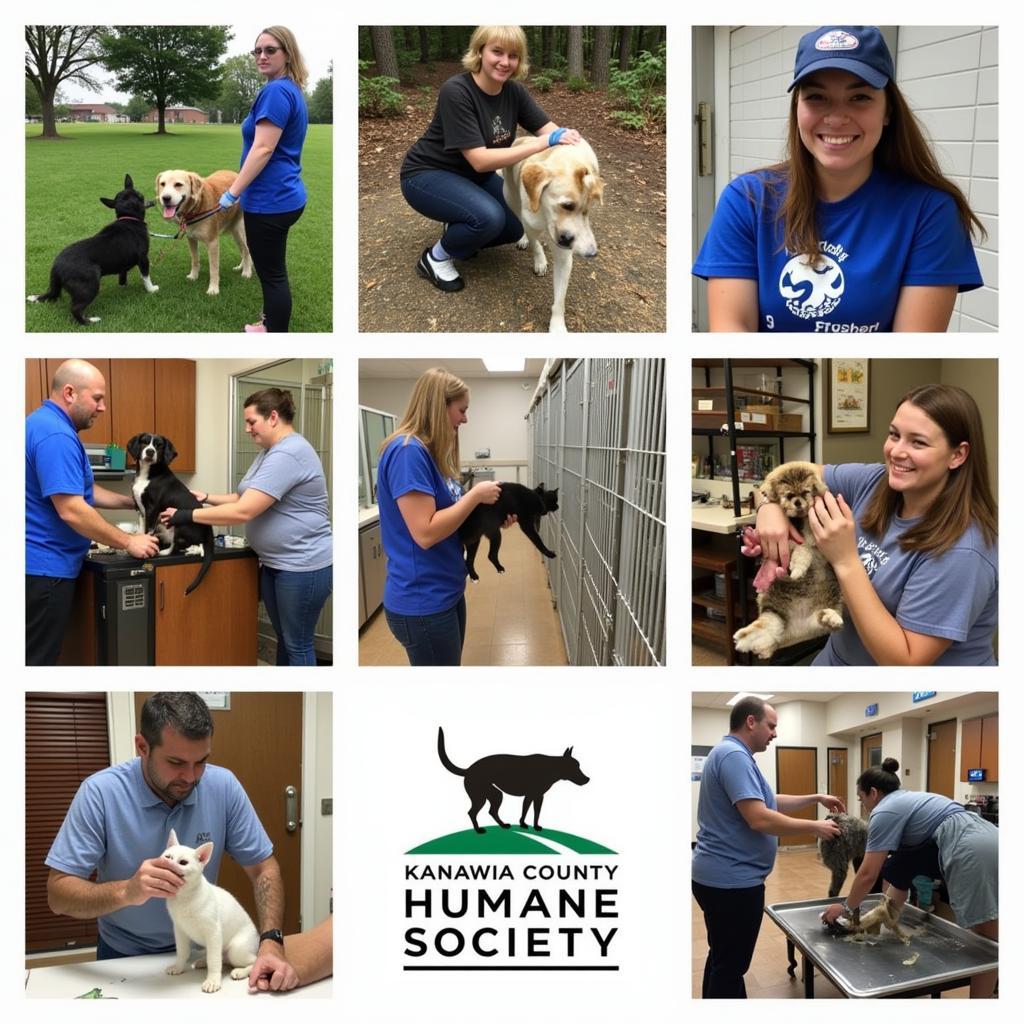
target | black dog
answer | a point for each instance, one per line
(115, 250)
(156, 488)
(529, 776)
(516, 500)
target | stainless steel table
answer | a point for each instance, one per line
(949, 956)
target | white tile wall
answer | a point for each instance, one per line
(949, 76)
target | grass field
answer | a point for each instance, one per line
(65, 179)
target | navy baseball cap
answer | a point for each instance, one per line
(859, 49)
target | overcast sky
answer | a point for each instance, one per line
(314, 42)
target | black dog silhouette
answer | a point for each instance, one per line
(527, 775)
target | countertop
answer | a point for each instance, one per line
(715, 519)
(121, 560)
(369, 516)
(145, 977)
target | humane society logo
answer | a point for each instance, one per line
(812, 291)
(507, 897)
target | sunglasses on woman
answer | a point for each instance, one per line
(268, 50)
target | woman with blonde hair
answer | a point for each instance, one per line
(421, 509)
(913, 541)
(269, 183)
(450, 173)
(858, 229)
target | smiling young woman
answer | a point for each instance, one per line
(912, 540)
(857, 229)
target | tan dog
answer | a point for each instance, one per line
(551, 192)
(184, 196)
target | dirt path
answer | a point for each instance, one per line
(623, 289)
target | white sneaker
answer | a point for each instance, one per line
(440, 273)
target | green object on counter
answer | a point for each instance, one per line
(95, 993)
(116, 455)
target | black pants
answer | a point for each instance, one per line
(733, 919)
(906, 863)
(267, 235)
(48, 604)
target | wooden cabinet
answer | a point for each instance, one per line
(216, 623)
(979, 746)
(143, 395)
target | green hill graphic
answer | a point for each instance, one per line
(503, 842)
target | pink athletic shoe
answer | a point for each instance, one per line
(255, 329)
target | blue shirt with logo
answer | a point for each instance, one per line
(55, 463)
(729, 853)
(278, 188)
(954, 595)
(890, 232)
(420, 581)
(116, 821)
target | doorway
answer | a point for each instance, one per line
(871, 751)
(796, 771)
(839, 774)
(942, 758)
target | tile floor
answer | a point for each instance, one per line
(797, 876)
(510, 619)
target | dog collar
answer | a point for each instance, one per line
(136, 219)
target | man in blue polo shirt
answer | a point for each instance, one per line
(738, 818)
(60, 507)
(119, 820)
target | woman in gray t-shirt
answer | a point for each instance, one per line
(283, 502)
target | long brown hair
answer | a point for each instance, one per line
(294, 65)
(426, 418)
(966, 498)
(902, 150)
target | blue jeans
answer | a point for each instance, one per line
(477, 215)
(107, 952)
(431, 639)
(294, 601)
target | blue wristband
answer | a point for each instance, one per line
(556, 135)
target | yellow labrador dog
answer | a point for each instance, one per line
(184, 196)
(551, 193)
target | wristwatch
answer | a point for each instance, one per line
(274, 934)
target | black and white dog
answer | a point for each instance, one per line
(156, 488)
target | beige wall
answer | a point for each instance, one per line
(496, 415)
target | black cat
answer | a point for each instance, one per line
(528, 506)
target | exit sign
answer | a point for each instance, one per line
(920, 695)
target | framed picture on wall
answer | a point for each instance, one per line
(848, 394)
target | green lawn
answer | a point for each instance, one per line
(64, 182)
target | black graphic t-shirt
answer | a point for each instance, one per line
(466, 118)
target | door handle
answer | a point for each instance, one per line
(291, 808)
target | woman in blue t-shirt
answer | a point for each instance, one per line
(421, 509)
(270, 180)
(912, 541)
(912, 833)
(858, 229)
(449, 174)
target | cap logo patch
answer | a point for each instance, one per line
(837, 40)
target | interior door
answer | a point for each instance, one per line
(797, 772)
(260, 740)
(942, 758)
(871, 751)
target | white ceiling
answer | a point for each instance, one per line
(467, 369)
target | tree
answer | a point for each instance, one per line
(602, 47)
(56, 54)
(547, 46)
(240, 83)
(575, 54)
(424, 44)
(138, 107)
(321, 100)
(167, 63)
(625, 46)
(384, 50)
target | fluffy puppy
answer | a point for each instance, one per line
(886, 914)
(807, 602)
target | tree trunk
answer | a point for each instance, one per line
(424, 45)
(650, 38)
(602, 47)
(625, 46)
(547, 37)
(384, 50)
(575, 53)
(410, 37)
